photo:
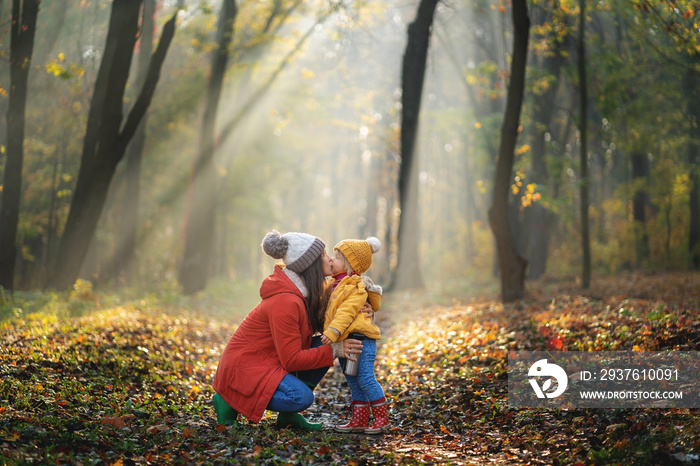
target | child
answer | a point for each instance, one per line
(351, 290)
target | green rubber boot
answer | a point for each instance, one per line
(297, 420)
(225, 414)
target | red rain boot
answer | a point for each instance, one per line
(360, 418)
(381, 417)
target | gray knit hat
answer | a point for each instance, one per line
(297, 250)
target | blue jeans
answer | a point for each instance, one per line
(295, 391)
(364, 385)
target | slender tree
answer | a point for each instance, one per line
(126, 247)
(512, 265)
(583, 99)
(107, 134)
(640, 201)
(195, 268)
(22, 32)
(408, 269)
(539, 219)
(691, 84)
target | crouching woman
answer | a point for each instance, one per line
(273, 361)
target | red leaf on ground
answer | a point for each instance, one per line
(114, 421)
(555, 343)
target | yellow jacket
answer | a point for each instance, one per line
(344, 306)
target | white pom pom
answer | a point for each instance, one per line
(374, 244)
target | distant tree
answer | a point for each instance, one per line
(691, 87)
(512, 265)
(408, 269)
(583, 98)
(549, 62)
(640, 203)
(53, 16)
(678, 21)
(22, 32)
(201, 212)
(126, 246)
(107, 134)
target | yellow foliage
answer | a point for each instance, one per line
(54, 68)
(477, 125)
(27, 254)
(77, 70)
(82, 289)
(307, 73)
(522, 149)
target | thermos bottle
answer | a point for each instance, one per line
(351, 366)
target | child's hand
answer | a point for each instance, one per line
(368, 312)
(325, 340)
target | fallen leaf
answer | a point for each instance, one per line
(114, 421)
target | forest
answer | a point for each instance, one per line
(305, 104)
(531, 167)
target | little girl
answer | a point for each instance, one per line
(343, 319)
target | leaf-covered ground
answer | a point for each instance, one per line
(131, 384)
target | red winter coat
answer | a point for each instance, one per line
(273, 340)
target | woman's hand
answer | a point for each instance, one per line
(351, 348)
(368, 311)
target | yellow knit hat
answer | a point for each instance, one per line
(359, 252)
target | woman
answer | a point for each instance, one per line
(271, 361)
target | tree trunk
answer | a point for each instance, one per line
(583, 95)
(512, 266)
(104, 144)
(22, 34)
(126, 247)
(195, 268)
(539, 219)
(407, 274)
(691, 84)
(3, 102)
(52, 224)
(640, 201)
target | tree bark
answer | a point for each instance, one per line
(512, 265)
(105, 144)
(23, 30)
(195, 268)
(407, 274)
(583, 95)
